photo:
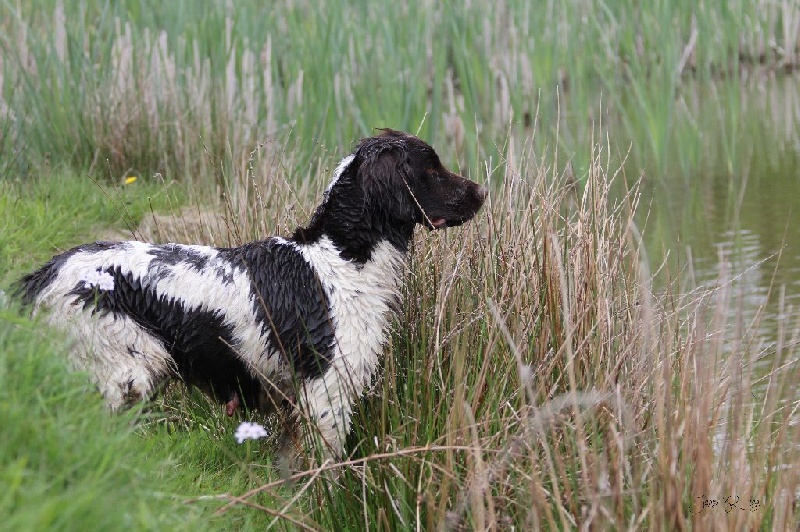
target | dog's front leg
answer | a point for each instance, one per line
(315, 432)
(327, 404)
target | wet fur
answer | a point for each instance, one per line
(302, 319)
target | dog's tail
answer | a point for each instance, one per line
(28, 287)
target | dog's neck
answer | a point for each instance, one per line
(353, 227)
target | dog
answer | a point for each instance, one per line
(301, 319)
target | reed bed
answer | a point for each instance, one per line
(538, 376)
(152, 87)
(536, 380)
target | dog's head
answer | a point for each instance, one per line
(403, 176)
(390, 183)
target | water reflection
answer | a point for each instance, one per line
(741, 276)
(737, 222)
(736, 267)
(744, 215)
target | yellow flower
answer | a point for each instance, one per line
(130, 179)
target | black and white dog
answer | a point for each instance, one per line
(303, 318)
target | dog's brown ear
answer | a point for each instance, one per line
(384, 174)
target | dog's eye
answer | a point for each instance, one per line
(436, 176)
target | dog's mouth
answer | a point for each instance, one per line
(442, 223)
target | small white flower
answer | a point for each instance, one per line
(100, 279)
(250, 431)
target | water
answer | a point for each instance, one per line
(737, 221)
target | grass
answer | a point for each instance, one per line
(55, 209)
(534, 379)
(537, 377)
(66, 464)
(169, 88)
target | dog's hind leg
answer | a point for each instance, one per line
(145, 369)
(126, 362)
(233, 404)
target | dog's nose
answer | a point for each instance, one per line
(482, 192)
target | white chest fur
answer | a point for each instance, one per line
(361, 298)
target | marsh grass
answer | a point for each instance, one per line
(570, 394)
(535, 379)
(169, 87)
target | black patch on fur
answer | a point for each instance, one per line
(224, 276)
(172, 254)
(199, 341)
(290, 303)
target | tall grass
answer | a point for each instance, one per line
(536, 380)
(170, 87)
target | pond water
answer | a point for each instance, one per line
(738, 220)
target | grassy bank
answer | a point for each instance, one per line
(59, 209)
(66, 464)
